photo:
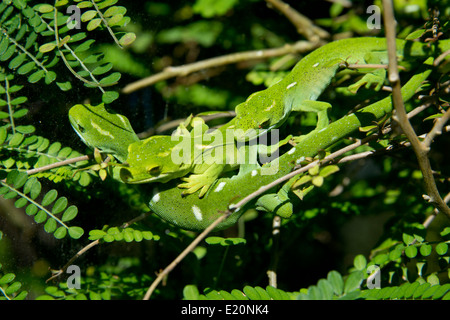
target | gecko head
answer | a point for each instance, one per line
(255, 117)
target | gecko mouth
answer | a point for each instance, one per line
(128, 177)
(249, 134)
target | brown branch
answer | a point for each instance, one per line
(58, 273)
(437, 128)
(58, 164)
(420, 149)
(303, 25)
(183, 254)
(171, 72)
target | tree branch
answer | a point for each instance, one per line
(171, 72)
(420, 149)
(303, 25)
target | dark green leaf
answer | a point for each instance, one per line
(49, 197)
(336, 281)
(59, 205)
(31, 209)
(113, 78)
(251, 293)
(26, 129)
(411, 251)
(50, 225)
(69, 214)
(35, 77)
(353, 281)
(7, 278)
(441, 248)
(60, 233)
(75, 232)
(17, 61)
(40, 217)
(109, 96)
(16, 139)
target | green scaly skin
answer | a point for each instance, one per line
(190, 212)
(196, 214)
(299, 90)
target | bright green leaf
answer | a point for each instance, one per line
(360, 262)
(49, 197)
(411, 251)
(7, 278)
(336, 281)
(59, 205)
(441, 248)
(60, 233)
(70, 213)
(75, 232)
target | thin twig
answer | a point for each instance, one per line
(183, 254)
(58, 273)
(292, 174)
(432, 216)
(275, 255)
(58, 164)
(303, 25)
(437, 128)
(171, 72)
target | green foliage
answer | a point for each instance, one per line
(10, 289)
(369, 212)
(124, 234)
(333, 287)
(211, 8)
(54, 219)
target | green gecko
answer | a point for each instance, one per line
(155, 159)
(190, 212)
(298, 91)
(109, 132)
(196, 214)
(163, 158)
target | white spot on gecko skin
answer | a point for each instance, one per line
(101, 131)
(197, 213)
(291, 151)
(122, 119)
(155, 198)
(291, 85)
(315, 65)
(254, 173)
(271, 106)
(220, 186)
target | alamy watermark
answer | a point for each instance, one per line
(374, 20)
(74, 21)
(73, 281)
(374, 278)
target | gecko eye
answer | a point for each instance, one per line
(81, 129)
(125, 175)
(154, 171)
(264, 124)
